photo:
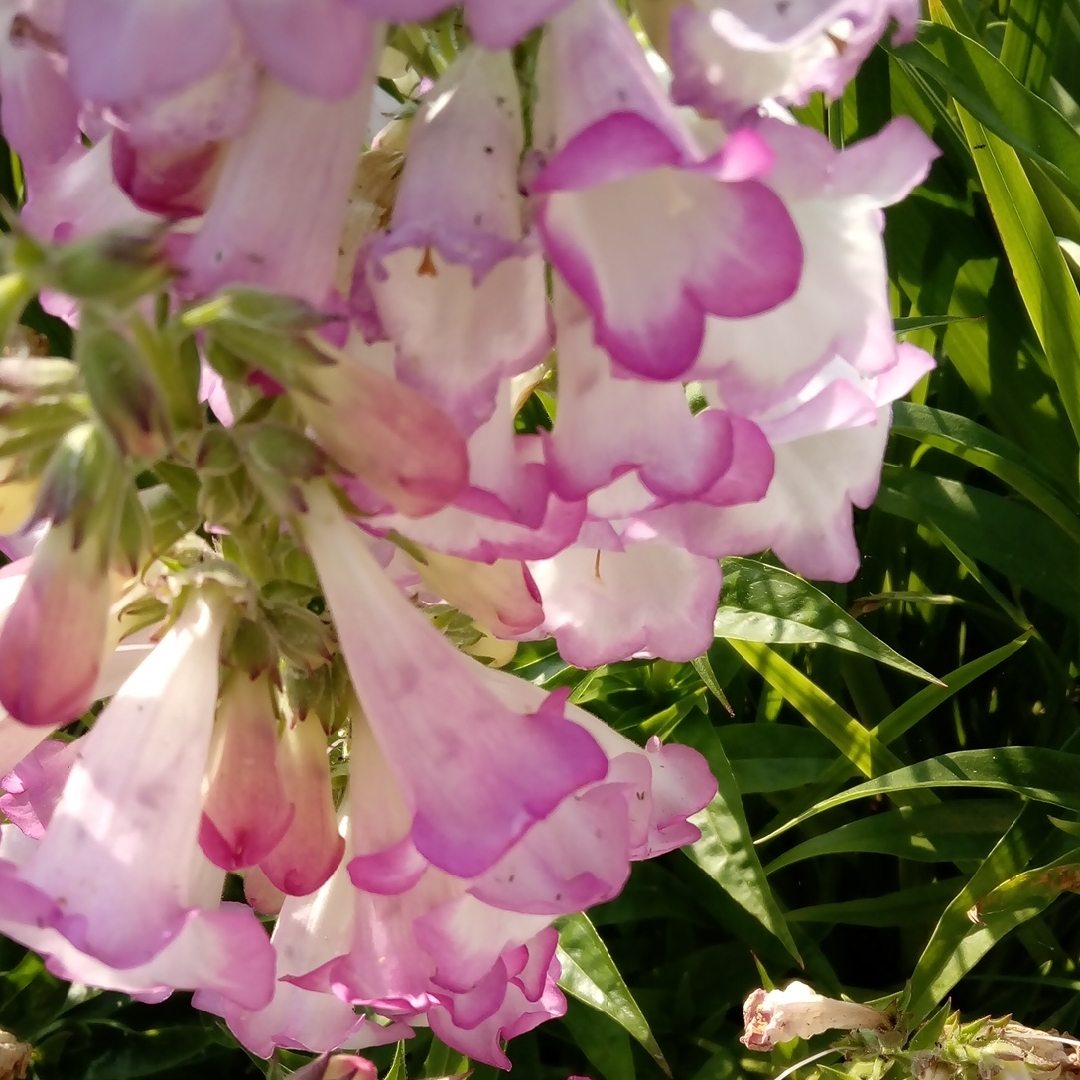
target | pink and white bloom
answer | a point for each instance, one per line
(121, 53)
(310, 931)
(405, 454)
(652, 234)
(608, 604)
(117, 893)
(458, 291)
(829, 441)
(283, 236)
(842, 303)
(608, 425)
(508, 509)
(475, 775)
(728, 56)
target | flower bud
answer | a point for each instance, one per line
(797, 1012)
(132, 534)
(117, 266)
(81, 483)
(122, 387)
(304, 638)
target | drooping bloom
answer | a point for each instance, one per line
(476, 776)
(284, 235)
(456, 288)
(117, 893)
(797, 1012)
(829, 441)
(729, 55)
(310, 930)
(652, 234)
(841, 306)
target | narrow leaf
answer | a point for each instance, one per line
(726, 851)
(767, 604)
(590, 975)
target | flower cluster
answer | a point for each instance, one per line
(566, 334)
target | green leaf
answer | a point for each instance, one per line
(986, 89)
(905, 907)
(972, 442)
(147, 1053)
(956, 945)
(767, 604)
(726, 851)
(590, 975)
(946, 832)
(1004, 534)
(927, 322)
(870, 756)
(606, 1045)
(901, 720)
(1033, 889)
(397, 1067)
(1049, 776)
(775, 757)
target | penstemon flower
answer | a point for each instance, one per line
(289, 506)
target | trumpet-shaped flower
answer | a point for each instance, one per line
(650, 232)
(117, 893)
(284, 235)
(607, 426)
(476, 775)
(457, 290)
(829, 442)
(842, 302)
(729, 55)
(797, 1012)
(310, 930)
(403, 449)
(605, 605)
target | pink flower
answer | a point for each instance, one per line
(456, 289)
(730, 55)
(650, 232)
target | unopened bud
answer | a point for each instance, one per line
(132, 535)
(122, 387)
(305, 639)
(118, 266)
(926, 1065)
(227, 500)
(285, 451)
(797, 1012)
(253, 649)
(217, 454)
(81, 481)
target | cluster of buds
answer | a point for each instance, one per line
(342, 426)
(944, 1048)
